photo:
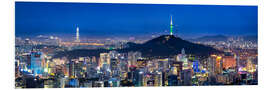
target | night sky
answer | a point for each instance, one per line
(96, 19)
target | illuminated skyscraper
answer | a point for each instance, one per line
(229, 62)
(36, 63)
(196, 66)
(250, 66)
(186, 77)
(172, 78)
(211, 65)
(171, 27)
(237, 63)
(77, 35)
(219, 64)
(104, 59)
(133, 57)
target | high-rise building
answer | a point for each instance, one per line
(158, 78)
(163, 64)
(131, 74)
(71, 68)
(211, 65)
(237, 63)
(141, 63)
(186, 77)
(172, 80)
(115, 67)
(178, 66)
(77, 35)
(229, 62)
(104, 59)
(196, 66)
(138, 77)
(212, 68)
(219, 65)
(36, 63)
(251, 68)
(114, 54)
(133, 57)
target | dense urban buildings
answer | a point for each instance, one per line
(36, 64)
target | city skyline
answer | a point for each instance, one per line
(83, 45)
(96, 19)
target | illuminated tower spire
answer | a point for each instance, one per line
(171, 27)
(77, 35)
(183, 51)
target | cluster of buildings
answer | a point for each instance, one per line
(114, 69)
(232, 42)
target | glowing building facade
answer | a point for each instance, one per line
(77, 35)
(229, 62)
(104, 59)
(36, 63)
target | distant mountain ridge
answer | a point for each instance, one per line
(252, 38)
(211, 38)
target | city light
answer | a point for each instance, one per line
(134, 50)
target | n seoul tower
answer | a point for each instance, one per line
(171, 26)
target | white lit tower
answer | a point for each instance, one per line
(183, 51)
(77, 35)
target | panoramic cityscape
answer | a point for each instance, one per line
(86, 45)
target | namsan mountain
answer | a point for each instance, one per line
(170, 45)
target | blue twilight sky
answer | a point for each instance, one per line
(133, 19)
